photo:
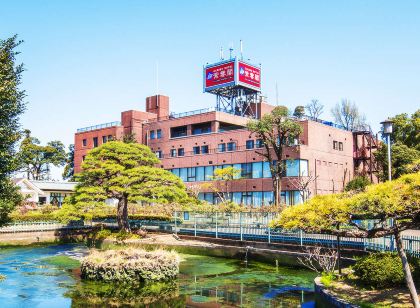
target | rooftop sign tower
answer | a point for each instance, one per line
(235, 83)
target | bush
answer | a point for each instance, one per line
(379, 270)
(130, 265)
(358, 183)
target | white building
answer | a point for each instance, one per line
(44, 192)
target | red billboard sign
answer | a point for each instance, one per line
(249, 75)
(220, 74)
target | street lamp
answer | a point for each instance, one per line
(387, 131)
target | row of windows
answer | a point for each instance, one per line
(96, 141)
(255, 198)
(257, 170)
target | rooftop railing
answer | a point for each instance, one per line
(99, 126)
(199, 111)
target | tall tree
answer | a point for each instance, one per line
(405, 147)
(276, 130)
(68, 173)
(397, 201)
(314, 109)
(11, 107)
(299, 112)
(348, 115)
(35, 160)
(125, 172)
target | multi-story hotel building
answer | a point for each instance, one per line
(193, 144)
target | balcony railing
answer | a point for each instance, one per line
(99, 126)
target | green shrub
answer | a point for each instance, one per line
(380, 270)
(103, 234)
(358, 183)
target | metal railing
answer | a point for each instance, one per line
(40, 226)
(255, 227)
(99, 126)
(235, 226)
(198, 111)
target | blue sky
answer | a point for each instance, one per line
(87, 61)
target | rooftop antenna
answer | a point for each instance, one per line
(230, 50)
(240, 43)
(221, 53)
(277, 95)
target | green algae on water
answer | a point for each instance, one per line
(62, 262)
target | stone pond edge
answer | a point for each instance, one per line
(322, 292)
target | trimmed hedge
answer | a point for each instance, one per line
(130, 265)
(380, 270)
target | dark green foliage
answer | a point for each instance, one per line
(299, 111)
(380, 270)
(35, 159)
(68, 173)
(358, 183)
(11, 107)
(402, 157)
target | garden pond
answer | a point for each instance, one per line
(49, 276)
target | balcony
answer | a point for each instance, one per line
(99, 126)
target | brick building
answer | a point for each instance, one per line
(193, 144)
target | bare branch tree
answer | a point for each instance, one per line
(314, 109)
(319, 260)
(302, 183)
(347, 115)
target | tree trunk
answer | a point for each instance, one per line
(122, 215)
(406, 269)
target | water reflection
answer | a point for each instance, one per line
(44, 277)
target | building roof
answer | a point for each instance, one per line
(51, 185)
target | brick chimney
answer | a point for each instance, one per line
(158, 104)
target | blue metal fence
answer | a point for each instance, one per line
(255, 227)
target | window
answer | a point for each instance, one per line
(221, 147)
(208, 172)
(259, 143)
(231, 146)
(237, 167)
(181, 152)
(56, 199)
(175, 171)
(159, 134)
(249, 144)
(199, 174)
(183, 174)
(152, 134)
(202, 128)
(196, 150)
(84, 142)
(110, 138)
(104, 139)
(257, 198)
(204, 149)
(179, 131)
(296, 167)
(191, 174)
(340, 146)
(173, 152)
(95, 142)
(246, 171)
(247, 198)
(257, 170)
(159, 154)
(237, 197)
(335, 145)
(266, 170)
(292, 167)
(268, 197)
(186, 215)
